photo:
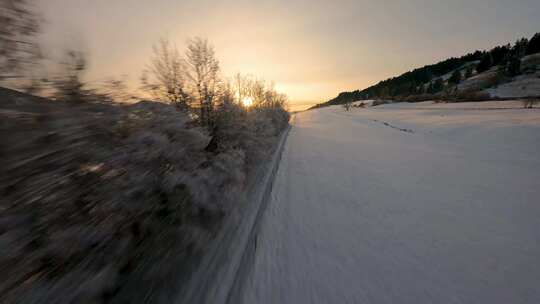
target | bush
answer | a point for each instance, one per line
(102, 198)
(379, 102)
(472, 96)
(530, 102)
(530, 64)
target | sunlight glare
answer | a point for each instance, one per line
(247, 102)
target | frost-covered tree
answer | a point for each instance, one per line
(241, 85)
(165, 78)
(202, 73)
(530, 102)
(116, 90)
(260, 93)
(193, 82)
(68, 85)
(19, 25)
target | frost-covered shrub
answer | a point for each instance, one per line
(253, 131)
(529, 103)
(531, 63)
(100, 199)
(378, 102)
(420, 97)
(472, 96)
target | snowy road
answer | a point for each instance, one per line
(392, 205)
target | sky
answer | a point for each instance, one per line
(310, 49)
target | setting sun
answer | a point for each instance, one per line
(247, 102)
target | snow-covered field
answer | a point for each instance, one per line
(404, 203)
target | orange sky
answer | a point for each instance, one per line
(311, 49)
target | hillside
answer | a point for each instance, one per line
(475, 75)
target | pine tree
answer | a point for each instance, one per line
(455, 78)
(19, 48)
(438, 85)
(429, 88)
(485, 64)
(520, 47)
(469, 72)
(513, 66)
(534, 45)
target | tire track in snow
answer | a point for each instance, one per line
(393, 127)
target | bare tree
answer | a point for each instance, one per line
(281, 101)
(203, 75)
(18, 28)
(195, 83)
(68, 85)
(227, 93)
(242, 85)
(258, 90)
(273, 99)
(165, 77)
(262, 95)
(116, 90)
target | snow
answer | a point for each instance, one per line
(364, 212)
(524, 85)
(462, 69)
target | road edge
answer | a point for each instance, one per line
(221, 274)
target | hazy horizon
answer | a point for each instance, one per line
(311, 50)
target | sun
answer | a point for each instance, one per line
(247, 102)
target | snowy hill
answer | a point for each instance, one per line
(507, 71)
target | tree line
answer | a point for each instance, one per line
(428, 78)
(192, 82)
